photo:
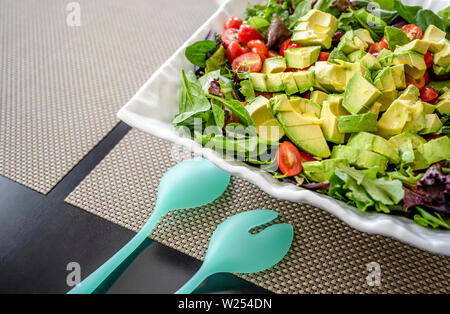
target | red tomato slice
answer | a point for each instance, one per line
(375, 48)
(428, 94)
(230, 35)
(307, 95)
(419, 83)
(428, 59)
(235, 50)
(272, 54)
(413, 31)
(248, 33)
(323, 56)
(232, 22)
(288, 44)
(259, 47)
(384, 43)
(249, 62)
(305, 156)
(289, 159)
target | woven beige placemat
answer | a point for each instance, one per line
(62, 84)
(327, 256)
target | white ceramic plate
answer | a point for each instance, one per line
(156, 103)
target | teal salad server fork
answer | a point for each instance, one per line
(191, 183)
(234, 249)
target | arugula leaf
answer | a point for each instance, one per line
(237, 108)
(218, 61)
(408, 13)
(405, 175)
(395, 37)
(196, 53)
(192, 98)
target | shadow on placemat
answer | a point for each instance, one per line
(327, 256)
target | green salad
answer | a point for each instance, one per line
(346, 98)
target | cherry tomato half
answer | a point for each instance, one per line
(232, 22)
(428, 94)
(384, 42)
(229, 35)
(289, 159)
(249, 62)
(307, 157)
(272, 54)
(307, 95)
(431, 137)
(413, 31)
(248, 33)
(235, 50)
(428, 60)
(288, 44)
(375, 48)
(323, 56)
(427, 77)
(259, 47)
(419, 83)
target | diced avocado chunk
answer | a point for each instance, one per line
(304, 80)
(386, 99)
(443, 106)
(428, 108)
(376, 108)
(315, 28)
(417, 45)
(399, 76)
(442, 57)
(360, 94)
(266, 125)
(370, 62)
(306, 105)
(274, 65)
(433, 124)
(435, 150)
(300, 58)
(439, 70)
(386, 57)
(414, 63)
(303, 131)
(336, 54)
(366, 122)
(384, 79)
(349, 43)
(417, 120)
(395, 118)
(364, 35)
(331, 111)
(274, 82)
(351, 154)
(334, 77)
(290, 86)
(318, 96)
(356, 55)
(370, 160)
(320, 171)
(435, 36)
(258, 81)
(374, 143)
(400, 139)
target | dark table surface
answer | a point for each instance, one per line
(41, 234)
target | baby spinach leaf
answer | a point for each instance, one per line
(219, 114)
(192, 98)
(407, 12)
(237, 108)
(196, 53)
(259, 23)
(445, 14)
(395, 37)
(302, 8)
(427, 17)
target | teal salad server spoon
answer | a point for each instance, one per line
(191, 183)
(234, 249)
